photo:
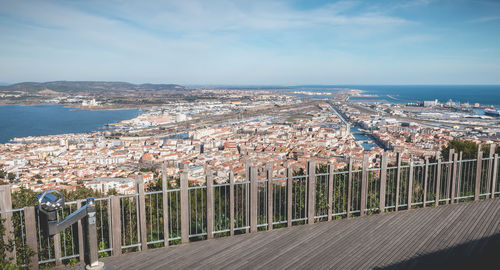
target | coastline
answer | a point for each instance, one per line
(79, 107)
(98, 108)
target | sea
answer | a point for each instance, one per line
(482, 94)
(18, 121)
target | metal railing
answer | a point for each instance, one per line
(143, 220)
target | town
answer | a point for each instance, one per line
(248, 128)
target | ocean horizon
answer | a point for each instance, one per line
(482, 94)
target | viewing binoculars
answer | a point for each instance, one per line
(50, 203)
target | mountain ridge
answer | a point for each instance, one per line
(88, 86)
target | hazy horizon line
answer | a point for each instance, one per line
(263, 85)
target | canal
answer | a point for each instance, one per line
(366, 142)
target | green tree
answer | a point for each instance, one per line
(23, 253)
(486, 150)
(23, 197)
(5, 262)
(156, 184)
(11, 176)
(112, 191)
(6, 246)
(468, 148)
(147, 169)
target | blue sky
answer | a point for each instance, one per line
(252, 42)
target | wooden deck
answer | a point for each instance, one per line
(460, 235)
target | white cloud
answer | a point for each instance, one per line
(224, 15)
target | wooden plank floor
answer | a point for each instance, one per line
(451, 236)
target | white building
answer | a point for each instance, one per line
(180, 117)
(431, 103)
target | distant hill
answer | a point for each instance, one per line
(94, 87)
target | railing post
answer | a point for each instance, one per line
(426, 179)
(57, 248)
(31, 238)
(184, 208)
(459, 174)
(253, 199)
(383, 181)
(116, 223)
(210, 204)
(164, 188)
(6, 204)
(248, 195)
(81, 246)
(490, 169)
(93, 250)
(231, 202)
(289, 194)
(364, 185)
(454, 178)
(449, 175)
(139, 185)
(398, 179)
(330, 191)
(349, 188)
(410, 184)
(438, 180)
(311, 196)
(270, 195)
(478, 175)
(110, 223)
(494, 178)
